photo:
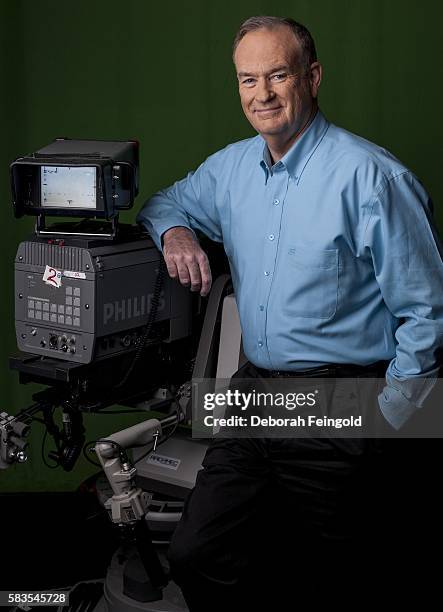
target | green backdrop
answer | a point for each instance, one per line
(161, 72)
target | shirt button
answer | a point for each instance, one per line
(276, 202)
(271, 236)
(266, 273)
(261, 307)
(260, 343)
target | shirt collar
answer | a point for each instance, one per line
(296, 159)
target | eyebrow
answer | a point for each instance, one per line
(276, 69)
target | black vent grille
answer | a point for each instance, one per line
(64, 258)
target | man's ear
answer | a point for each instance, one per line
(315, 76)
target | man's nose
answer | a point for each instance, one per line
(264, 91)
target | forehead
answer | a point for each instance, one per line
(265, 48)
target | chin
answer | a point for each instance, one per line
(271, 130)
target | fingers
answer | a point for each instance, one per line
(171, 267)
(188, 263)
(194, 275)
(194, 272)
(183, 273)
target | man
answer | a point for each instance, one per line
(335, 264)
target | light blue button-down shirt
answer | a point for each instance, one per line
(333, 254)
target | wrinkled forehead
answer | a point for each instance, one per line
(265, 48)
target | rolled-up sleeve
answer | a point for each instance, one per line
(189, 203)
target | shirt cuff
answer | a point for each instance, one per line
(401, 398)
(395, 407)
(157, 233)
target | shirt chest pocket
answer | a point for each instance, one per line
(311, 282)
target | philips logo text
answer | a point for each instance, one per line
(130, 308)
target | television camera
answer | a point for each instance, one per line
(99, 323)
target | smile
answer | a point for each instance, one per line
(267, 113)
(267, 110)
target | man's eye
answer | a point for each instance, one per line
(248, 81)
(279, 77)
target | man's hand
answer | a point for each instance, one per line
(186, 260)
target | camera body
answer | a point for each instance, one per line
(79, 300)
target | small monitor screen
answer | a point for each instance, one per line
(68, 187)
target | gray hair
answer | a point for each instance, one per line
(301, 33)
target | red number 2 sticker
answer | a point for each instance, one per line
(52, 277)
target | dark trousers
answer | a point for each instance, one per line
(272, 519)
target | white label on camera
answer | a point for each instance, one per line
(70, 274)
